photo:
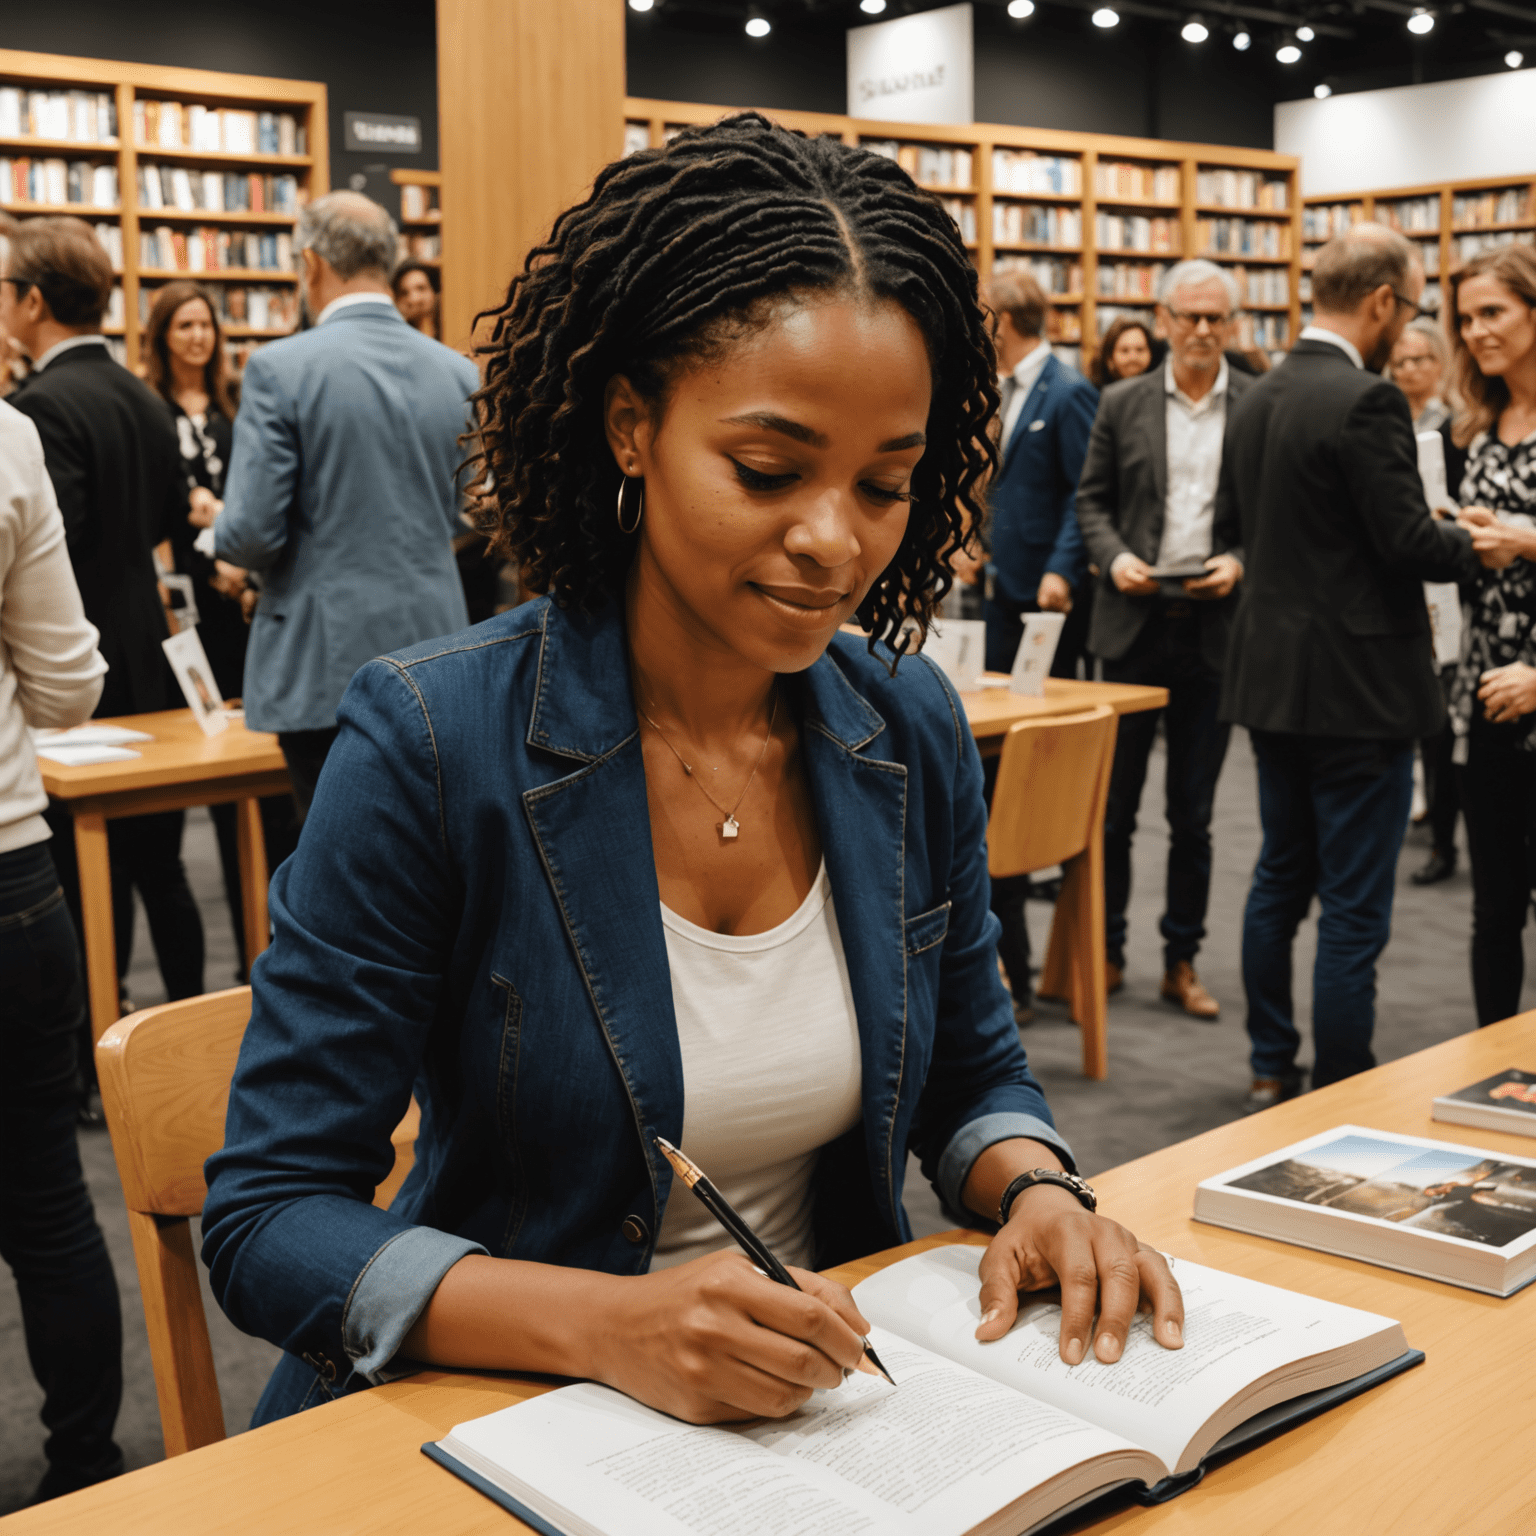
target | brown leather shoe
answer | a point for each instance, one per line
(1182, 986)
(1115, 976)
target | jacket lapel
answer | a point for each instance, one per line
(1034, 403)
(593, 831)
(1156, 420)
(861, 808)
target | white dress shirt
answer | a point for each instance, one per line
(1195, 431)
(1026, 371)
(348, 299)
(1343, 343)
(92, 339)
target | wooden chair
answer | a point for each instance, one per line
(1048, 808)
(165, 1075)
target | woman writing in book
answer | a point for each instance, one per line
(665, 854)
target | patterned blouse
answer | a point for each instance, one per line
(1499, 612)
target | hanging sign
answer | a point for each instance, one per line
(916, 69)
(382, 133)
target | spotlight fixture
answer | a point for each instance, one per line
(1305, 34)
(1194, 30)
(641, 5)
(871, 7)
(1421, 21)
(1019, 9)
(1322, 91)
(1242, 42)
(758, 26)
(1287, 52)
(1514, 58)
(1105, 17)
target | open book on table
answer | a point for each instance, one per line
(975, 1438)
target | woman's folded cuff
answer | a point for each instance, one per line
(970, 1141)
(392, 1292)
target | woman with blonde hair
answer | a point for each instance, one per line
(1493, 698)
(1421, 367)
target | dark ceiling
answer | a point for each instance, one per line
(1359, 44)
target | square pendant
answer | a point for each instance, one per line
(730, 827)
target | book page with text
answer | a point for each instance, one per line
(1236, 1332)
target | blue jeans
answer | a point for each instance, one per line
(48, 1231)
(1334, 811)
(1166, 655)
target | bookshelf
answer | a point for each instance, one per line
(182, 172)
(421, 221)
(1449, 221)
(1097, 218)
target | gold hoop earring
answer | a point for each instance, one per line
(624, 485)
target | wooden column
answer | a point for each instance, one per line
(530, 105)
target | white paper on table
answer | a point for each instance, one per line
(81, 755)
(1036, 652)
(959, 646)
(189, 662)
(89, 736)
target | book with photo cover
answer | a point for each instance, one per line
(1430, 1208)
(997, 1438)
(1504, 1102)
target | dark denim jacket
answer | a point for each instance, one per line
(473, 913)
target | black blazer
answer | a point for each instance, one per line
(1121, 500)
(111, 453)
(1331, 636)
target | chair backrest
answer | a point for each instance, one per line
(165, 1075)
(1050, 783)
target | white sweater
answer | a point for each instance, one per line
(50, 669)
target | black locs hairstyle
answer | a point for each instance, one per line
(675, 251)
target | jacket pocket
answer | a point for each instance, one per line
(927, 929)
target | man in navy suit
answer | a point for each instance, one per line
(1037, 559)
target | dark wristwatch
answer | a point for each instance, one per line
(1068, 1181)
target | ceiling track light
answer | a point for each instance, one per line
(1242, 41)
(1105, 17)
(1305, 34)
(1514, 58)
(1021, 9)
(1322, 90)
(758, 26)
(1289, 52)
(1421, 22)
(641, 5)
(872, 7)
(1194, 30)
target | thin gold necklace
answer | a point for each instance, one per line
(730, 827)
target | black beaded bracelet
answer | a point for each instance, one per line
(1067, 1181)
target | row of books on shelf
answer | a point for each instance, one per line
(1262, 285)
(929, 165)
(1023, 224)
(1022, 170)
(1410, 215)
(1266, 333)
(1055, 274)
(206, 249)
(1242, 189)
(421, 248)
(226, 130)
(110, 238)
(1134, 232)
(1479, 210)
(1323, 221)
(257, 307)
(1064, 325)
(1465, 247)
(418, 203)
(89, 117)
(1130, 279)
(57, 182)
(1242, 237)
(193, 191)
(1429, 254)
(1144, 183)
(963, 212)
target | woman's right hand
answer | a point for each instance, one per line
(714, 1340)
(204, 507)
(1497, 544)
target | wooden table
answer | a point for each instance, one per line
(180, 767)
(1449, 1447)
(992, 710)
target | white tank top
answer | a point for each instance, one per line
(771, 1073)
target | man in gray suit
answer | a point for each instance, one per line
(343, 486)
(1146, 503)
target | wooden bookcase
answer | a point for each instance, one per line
(138, 89)
(1068, 203)
(1450, 221)
(421, 238)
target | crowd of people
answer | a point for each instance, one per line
(663, 447)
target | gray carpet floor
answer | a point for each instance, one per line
(1170, 1077)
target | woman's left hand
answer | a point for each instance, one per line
(1103, 1271)
(1508, 692)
